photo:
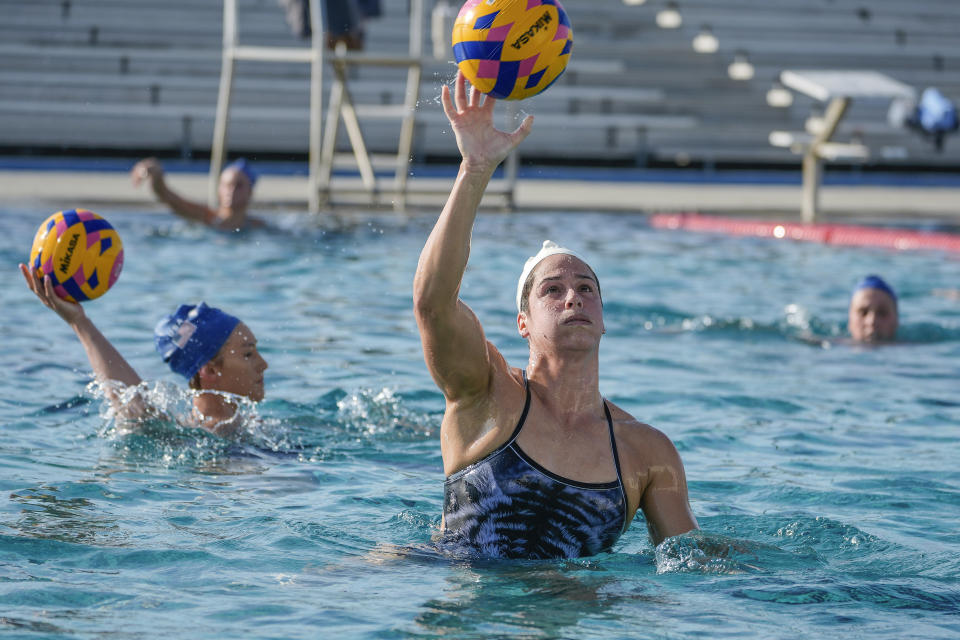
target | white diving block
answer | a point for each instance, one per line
(833, 151)
(837, 89)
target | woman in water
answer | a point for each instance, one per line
(213, 350)
(234, 191)
(538, 463)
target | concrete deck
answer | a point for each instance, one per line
(59, 189)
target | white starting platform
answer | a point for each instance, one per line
(837, 89)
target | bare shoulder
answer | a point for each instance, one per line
(474, 425)
(639, 442)
(649, 460)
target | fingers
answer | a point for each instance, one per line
(475, 96)
(522, 131)
(140, 172)
(146, 169)
(489, 102)
(49, 294)
(36, 282)
(462, 100)
(460, 95)
(448, 109)
(41, 287)
(29, 276)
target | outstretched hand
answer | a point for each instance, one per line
(147, 169)
(71, 312)
(482, 145)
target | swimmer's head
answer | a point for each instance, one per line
(525, 283)
(873, 315)
(236, 184)
(191, 336)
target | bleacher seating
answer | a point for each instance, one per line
(128, 76)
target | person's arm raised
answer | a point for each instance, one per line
(108, 364)
(454, 346)
(150, 170)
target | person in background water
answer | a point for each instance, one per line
(873, 315)
(213, 350)
(538, 463)
(235, 192)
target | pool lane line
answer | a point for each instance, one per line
(834, 234)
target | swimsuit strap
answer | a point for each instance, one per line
(616, 463)
(613, 442)
(523, 416)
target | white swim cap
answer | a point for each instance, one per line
(550, 248)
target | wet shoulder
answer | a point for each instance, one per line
(639, 443)
(478, 424)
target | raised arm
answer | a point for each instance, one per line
(454, 345)
(150, 170)
(106, 361)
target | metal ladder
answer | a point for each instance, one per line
(342, 106)
(322, 148)
(232, 51)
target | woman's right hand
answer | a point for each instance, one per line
(481, 144)
(71, 312)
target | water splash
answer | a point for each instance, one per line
(799, 324)
(711, 553)
(381, 412)
(156, 424)
(165, 428)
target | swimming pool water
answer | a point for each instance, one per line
(831, 468)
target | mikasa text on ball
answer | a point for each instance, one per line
(512, 49)
(80, 251)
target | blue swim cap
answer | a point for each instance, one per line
(876, 282)
(191, 336)
(241, 165)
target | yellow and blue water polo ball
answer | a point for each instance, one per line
(80, 251)
(512, 49)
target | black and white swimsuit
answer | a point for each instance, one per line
(508, 506)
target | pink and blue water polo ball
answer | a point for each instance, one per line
(512, 49)
(80, 251)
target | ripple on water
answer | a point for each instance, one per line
(823, 474)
